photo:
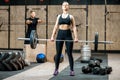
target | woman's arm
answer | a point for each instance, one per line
(55, 28)
(74, 28)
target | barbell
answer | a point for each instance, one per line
(33, 40)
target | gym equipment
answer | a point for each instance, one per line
(33, 40)
(108, 69)
(21, 58)
(85, 54)
(17, 60)
(11, 61)
(96, 41)
(86, 69)
(2, 67)
(93, 58)
(2, 56)
(94, 67)
(41, 58)
(94, 63)
(97, 63)
(102, 71)
(61, 58)
(6, 62)
(96, 70)
(91, 63)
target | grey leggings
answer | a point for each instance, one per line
(64, 35)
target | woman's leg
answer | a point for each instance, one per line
(69, 47)
(59, 46)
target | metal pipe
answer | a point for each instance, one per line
(9, 26)
(86, 21)
(25, 17)
(105, 25)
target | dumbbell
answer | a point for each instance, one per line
(94, 63)
(108, 69)
(86, 69)
(93, 58)
(102, 71)
(96, 70)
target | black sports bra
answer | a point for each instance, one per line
(66, 20)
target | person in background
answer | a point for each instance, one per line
(32, 22)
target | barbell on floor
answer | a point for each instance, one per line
(33, 40)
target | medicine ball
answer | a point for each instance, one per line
(41, 58)
(61, 58)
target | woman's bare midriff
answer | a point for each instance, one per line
(64, 27)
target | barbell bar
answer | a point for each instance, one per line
(33, 40)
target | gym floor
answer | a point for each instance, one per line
(44, 71)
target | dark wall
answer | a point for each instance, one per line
(58, 2)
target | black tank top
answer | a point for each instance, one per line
(66, 20)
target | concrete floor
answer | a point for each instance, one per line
(114, 61)
(45, 71)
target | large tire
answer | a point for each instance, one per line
(3, 56)
(14, 65)
(6, 62)
(2, 67)
(22, 54)
(22, 62)
(11, 61)
(22, 58)
(15, 60)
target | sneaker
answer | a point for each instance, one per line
(72, 73)
(55, 73)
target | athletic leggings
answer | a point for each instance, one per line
(64, 35)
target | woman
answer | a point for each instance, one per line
(64, 22)
(32, 22)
